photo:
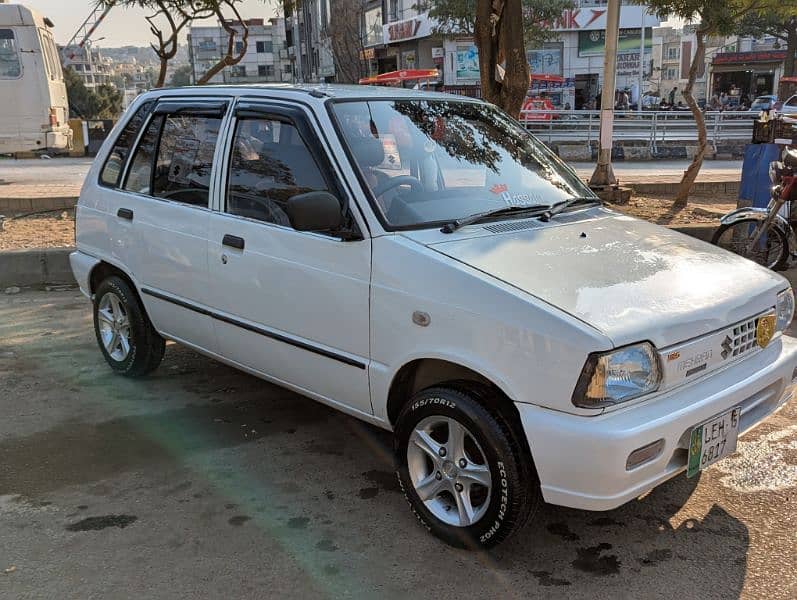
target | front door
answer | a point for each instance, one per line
(291, 305)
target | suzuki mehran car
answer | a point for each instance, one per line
(421, 262)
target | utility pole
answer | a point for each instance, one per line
(642, 61)
(604, 175)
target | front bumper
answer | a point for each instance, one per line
(581, 461)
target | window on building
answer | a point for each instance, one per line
(239, 47)
(672, 73)
(673, 53)
(265, 70)
(264, 47)
(270, 164)
(238, 71)
(112, 171)
(10, 67)
(286, 68)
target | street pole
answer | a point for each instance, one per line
(604, 175)
(641, 61)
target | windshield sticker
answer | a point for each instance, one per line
(392, 157)
(499, 188)
(502, 189)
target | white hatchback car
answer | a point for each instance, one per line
(422, 263)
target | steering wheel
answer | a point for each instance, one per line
(393, 182)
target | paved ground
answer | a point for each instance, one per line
(203, 482)
(36, 178)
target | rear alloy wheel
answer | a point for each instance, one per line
(461, 469)
(127, 339)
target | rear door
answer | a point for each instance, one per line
(169, 178)
(292, 305)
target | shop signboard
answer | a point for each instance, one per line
(409, 29)
(466, 62)
(724, 58)
(588, 19)
(546, 60)
(373, 27)
(593, 43)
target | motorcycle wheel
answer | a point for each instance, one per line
(771, 250)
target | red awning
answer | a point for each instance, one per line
(398, 76)
(546, 77)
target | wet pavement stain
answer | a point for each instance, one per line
(605, 522)
(590, 560)
(655, 557)
(331, 570)
(326, 545)
(298, 522)
(563, 531)
(329, 494)
(368, 493)
(386, 480)
(546, 580)
(238, 520)
(98, 523)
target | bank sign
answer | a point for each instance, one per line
(587, 19)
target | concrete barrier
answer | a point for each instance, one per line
(35, 267)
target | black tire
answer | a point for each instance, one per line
(515, 491)
(774, 254)
(146, 346)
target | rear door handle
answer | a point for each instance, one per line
(125, 213)
(233, 241)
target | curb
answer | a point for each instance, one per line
(10, 205)
(36, 267)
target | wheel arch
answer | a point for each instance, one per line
(102, 270)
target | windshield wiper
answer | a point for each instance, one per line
(558, 207)
(496, 212)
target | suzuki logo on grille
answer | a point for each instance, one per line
(727, 348)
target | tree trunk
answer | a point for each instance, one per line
(162, 72)
(502, 53)
(789, 69)
(690, 174)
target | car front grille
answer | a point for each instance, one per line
(741, 339)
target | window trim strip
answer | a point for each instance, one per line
(255, 329)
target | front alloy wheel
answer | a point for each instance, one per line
(462, 466)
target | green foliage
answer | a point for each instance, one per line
(715, 17)
(458, 17)
(181, 76)
(103, 103)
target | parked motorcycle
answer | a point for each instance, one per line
(766, 235)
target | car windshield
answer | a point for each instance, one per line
(434, 161)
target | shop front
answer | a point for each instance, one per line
(744, 75)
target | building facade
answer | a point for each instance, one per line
(266, 58)
(90, 65)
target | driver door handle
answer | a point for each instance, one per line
(233, 241)
(125, 213)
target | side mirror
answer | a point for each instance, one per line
(315, 211)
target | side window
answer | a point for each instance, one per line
(10, 67)
(185, 159)
(115, 163)
(270, 164)
(139, 176)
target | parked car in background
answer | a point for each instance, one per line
(761, 103)
(421, 262)
(789, 107)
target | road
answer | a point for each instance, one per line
(71, 171)
(202, 482)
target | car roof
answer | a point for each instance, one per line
(318, 92)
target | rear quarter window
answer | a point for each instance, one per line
(115, 163)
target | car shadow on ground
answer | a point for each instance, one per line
(297, 469)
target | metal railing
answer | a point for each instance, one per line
(653, 127)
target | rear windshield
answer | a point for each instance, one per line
(10, 67)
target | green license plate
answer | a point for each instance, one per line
(713, 440)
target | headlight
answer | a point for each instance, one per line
(785, 309)
(618, 376)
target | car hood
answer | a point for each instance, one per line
(629, 279)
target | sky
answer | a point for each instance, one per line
(122, 27)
